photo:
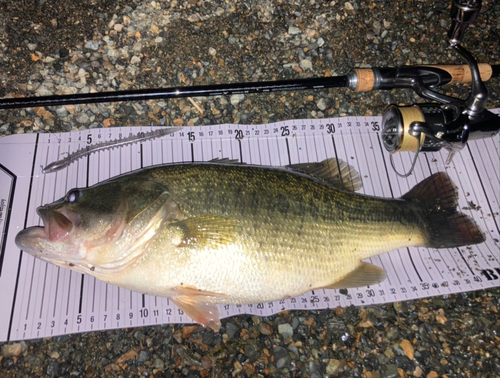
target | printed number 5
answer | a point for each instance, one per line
(89, 139)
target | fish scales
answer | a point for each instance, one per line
(293, 229)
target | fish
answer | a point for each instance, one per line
(222, 232)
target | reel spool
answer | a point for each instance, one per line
(415, 128)
(396, 123)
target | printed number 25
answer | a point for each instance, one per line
(285, 131)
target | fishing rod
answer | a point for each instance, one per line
(359, 80)
(447, 122)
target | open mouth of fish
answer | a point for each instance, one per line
(58, 224)
(57, 227)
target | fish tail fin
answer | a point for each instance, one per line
(436, 197)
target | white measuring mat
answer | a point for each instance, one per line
(40, 299)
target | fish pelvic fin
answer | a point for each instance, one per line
(436, 198)
(333, 171)
(364, 275)
(195, 304)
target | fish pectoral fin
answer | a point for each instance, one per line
(194, 303)
(206, 231)
(333, 171)
(364, 275)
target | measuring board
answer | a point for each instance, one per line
(40, 299)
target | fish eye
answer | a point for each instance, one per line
(73, 195)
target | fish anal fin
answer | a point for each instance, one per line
(194, 303)
(364, 275)
(206, 231)
(333, 171)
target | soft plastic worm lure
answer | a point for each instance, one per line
(82, 152)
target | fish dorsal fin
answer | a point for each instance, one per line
(195, 304)
(334, 171)
(225, 161)
(206, 231)
(364, 275)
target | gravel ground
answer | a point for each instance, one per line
(62, 47)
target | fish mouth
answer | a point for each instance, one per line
(57, 227)
(58, 224)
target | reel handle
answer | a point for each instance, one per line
(368, 79)
(463, 13)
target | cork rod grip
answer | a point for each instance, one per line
(366, 79)
(459, 73)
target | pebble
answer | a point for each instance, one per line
(159, 364)
(281, 357)
(144, 356)
(408, 349)
(321, 104)
(265, 328)
(53, 369)
(236, 99)
(306, 64)
(13, 350)
(252, 352)
(83, 118)
(285, 330)
(232, 330)
(42, 90)
(389, 371)
(293, 30)
(92, 45)
(186, 358)
(33, 361)
(332, 367)
(314, 370)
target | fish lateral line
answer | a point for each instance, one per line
(110, 144)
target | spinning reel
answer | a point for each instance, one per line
(450, 122)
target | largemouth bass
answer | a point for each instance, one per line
(218, 232)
